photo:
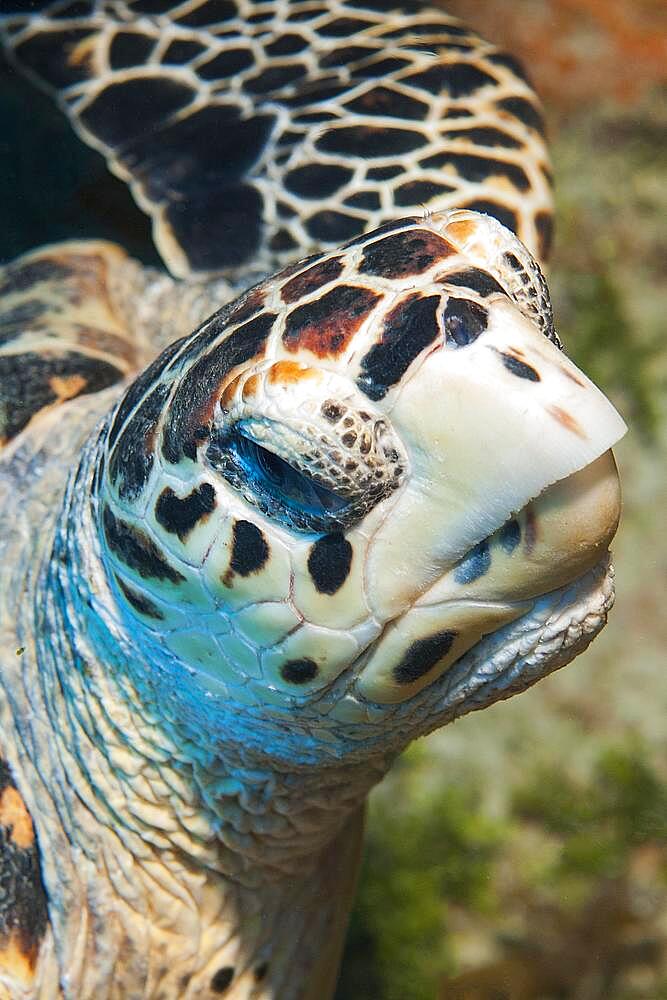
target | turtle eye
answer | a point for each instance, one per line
(271, 473)
(278, 488)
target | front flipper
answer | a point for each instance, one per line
(252, 139)
(62, 333)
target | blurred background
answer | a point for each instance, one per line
(520, 854)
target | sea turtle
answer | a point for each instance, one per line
(364, 497)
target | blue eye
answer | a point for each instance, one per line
(278, 488)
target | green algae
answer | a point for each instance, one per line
(557, 875)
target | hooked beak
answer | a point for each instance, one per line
(518, 496)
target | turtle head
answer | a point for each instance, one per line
(372, 488)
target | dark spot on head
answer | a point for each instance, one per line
(332, 411)
(349, 439)
(191, 410)
(133, 457)
(519, 368)
(329, 562)
(422, 656)
(222, 979)
(464, 321)
(475, 564)
(404, 254)
(509, 536)
(311, 279)
(180, 515)
(140, 388)
(134, 548)
(513, 261)
(139, 601)
(327, 325)
(249, 549)
(476, 280)
(248, 305)
(299, 671)
(408, 329)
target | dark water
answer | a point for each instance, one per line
(52, 187)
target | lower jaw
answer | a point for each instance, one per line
(554, 544)
(558, 627)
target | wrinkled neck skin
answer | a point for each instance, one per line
(132, 697)
(199, 850)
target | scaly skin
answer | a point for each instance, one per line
(206, 826)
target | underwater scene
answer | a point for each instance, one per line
(519, 853)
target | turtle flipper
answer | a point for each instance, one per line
(252, 141)
(23, 911)
(61, 332)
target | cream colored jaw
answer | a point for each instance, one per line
(558, 537)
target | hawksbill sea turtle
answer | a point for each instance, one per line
(243, 567)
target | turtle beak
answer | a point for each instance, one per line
(552, 542)
(513, 494)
